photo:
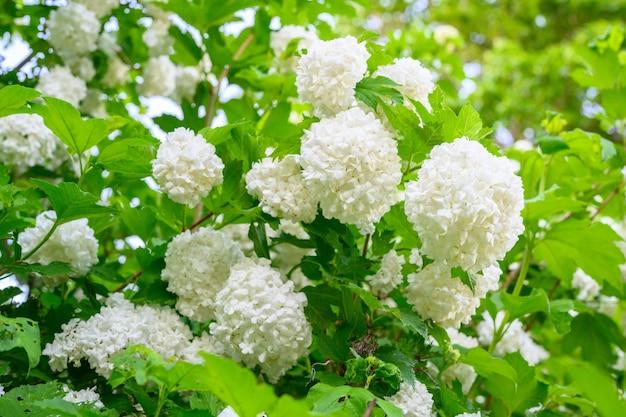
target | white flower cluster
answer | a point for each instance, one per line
(157, 37)
(436, 295)
(186, 167)
(117, 72)
(413, 399)
(100, 8)
(73, 30)
(462, 372)
(351, 165)
(466, 205)
(84, 396)
(159, 77)
(389, 275)
(118, 325)
(26, 142)
(60, 83)
(281, 39)
(72, 242)
(187, 79)
(445, 33)
(203, 344)
(281, 189)
(82, 67)
(260, 319)
(514, 339)
(327, 75)
(588, 288)
(416, 82)
(197, 265)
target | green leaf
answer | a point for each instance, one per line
(598, 387)
(66, 123)
(551, 144)
(372, 90)
(518, 305)
(548, 204)
(500, 377)
(12, 97)
(257, 235)
(70, 202)
(22, 333)
(51, 269)
(594, 335)
(129, 157)
(584, 244)
(19, 401)
(467, 123)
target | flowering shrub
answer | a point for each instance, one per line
(320, 224)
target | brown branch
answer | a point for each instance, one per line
(370, 408)
(133, 278)
(199, 221)
(216, 88)
(24, 61)
(607, 200)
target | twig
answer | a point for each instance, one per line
(607, 200)
(24, 61)
(370, 408)
(216, 89)
(133, 278)
(365, 244)
(198, 222)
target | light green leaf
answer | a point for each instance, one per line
(129, 157)
(23, 333)
(12, 97)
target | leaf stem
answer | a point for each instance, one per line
(370, 408)
(161, 401)
(607, 200)
(365, 245)
(44, 240)
(198, 222)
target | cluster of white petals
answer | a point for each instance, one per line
(73, 30)
(435, 294)
(280, 40)
(466, 205)
(197, 265)
(327, 75)
(514, 339)
(351, 165)
(72, 242)
(461, 372)
(415, 81)
(187, 79)
(487, 280)
(186, 167)
(82, 67)
(445, 33)
(238, 232)
(415, 258)
(99, 7)
(93, 104)
(159, 77)
(83, 396)
(206, 343)
(117, 72)
(588, 288)
(281, 189)
(413, 399)
(60, 83)
(260, 319)
(157, 38)
(389, 275)
(26, 142)
(118, 325)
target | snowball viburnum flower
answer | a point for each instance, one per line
(415, 81)
(260, 319)
(187, 79)
(73, 30)
(197, 265)
(466, 205)
(72, 242)
(327, 75)
(83, 396)
(159, 77)
(186, 167)
(413, 399)
(281, 189)
(351, 165)
(389, 275)
(60, 83)
(25, 142)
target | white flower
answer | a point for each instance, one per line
(159, 77)
(118, 325)
(1, 390)
(514, 339)
(466, 205)
(416, 258)
(468, 415)
(260, 319)
(389, 275)
(26, 142)
(413, 399)
(93, 104)
(186, 167)
(435, 294)
(82, 67)
(101, 8)
(445, 33)
(351, 165)
(204, 344)
(84, 396)
(107, 43)
(60, 83)
(116, 73)
(416, 82)
(196, 266)
(187, 79)
(587, 287)
(73, 30)
(280, 40)
(327, 75)
(281, 190)
(157, 38)
(239, 234)
(488, 280)
(72, 242)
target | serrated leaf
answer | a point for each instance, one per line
(129, 157)
(372, 90)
